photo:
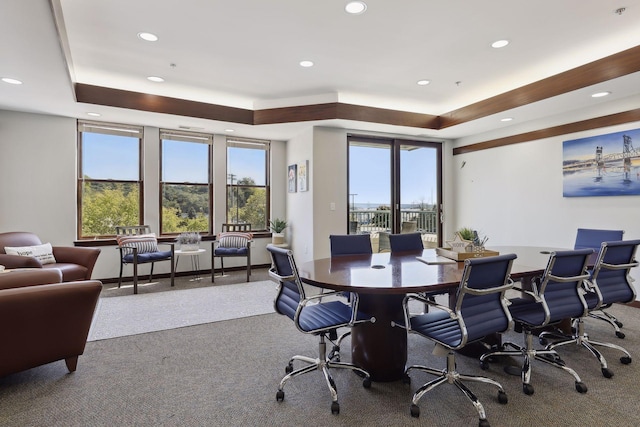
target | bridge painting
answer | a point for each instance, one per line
(603, 165)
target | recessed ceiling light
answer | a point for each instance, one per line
(506, 119)
(423, 82)
(500, 43)
(148, 37)
(229, 130)
(306, 64)
(11, 81)
(355, 7)
(600, 94)
(155, 79)
(94, 114)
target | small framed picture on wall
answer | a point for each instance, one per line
(303, 176)
(292, 177)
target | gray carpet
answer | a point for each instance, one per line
(226, 374)
(149, 312)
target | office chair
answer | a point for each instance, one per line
(312, 317)
(593, 238)
(350, 244)
(347, 244)
(557, 297)
(137, 246)
(610, 282)
(480, 310)
(234, 241)
(406, 242)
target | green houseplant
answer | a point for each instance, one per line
(277, 226)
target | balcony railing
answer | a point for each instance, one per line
(373, 221)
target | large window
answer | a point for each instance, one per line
(109, 178)
(247, 182)
(185, 183)
(395, 187)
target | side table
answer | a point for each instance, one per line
(195, 261)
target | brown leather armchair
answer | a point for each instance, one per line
(44, 320)
(76, 263)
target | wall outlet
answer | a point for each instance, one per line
(332, 206)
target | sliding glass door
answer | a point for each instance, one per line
(394, 187)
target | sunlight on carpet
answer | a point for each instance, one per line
(137, 314)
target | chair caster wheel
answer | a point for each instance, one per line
(607, 373)
(415, 410)
(366, 383)
(502, 397)
(625, 360)
(581, 387)
(618, 323)
(280, 396)
(528, 389)
(484, 365)
(335, 408)
(620, 335)
(406, 379)
(289, 368)
(543, 341)
(483, 423)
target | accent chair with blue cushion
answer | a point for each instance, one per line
(557, 297)
(593, 238)
(312, 317)
(406, 242)
(480, 310)
(137, 246)
(234, 241)
(610, 283)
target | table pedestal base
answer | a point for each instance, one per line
(380, 348)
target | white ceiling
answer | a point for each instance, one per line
(245, 53)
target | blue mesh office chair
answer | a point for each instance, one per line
(312, 317)
(610, 283)
(557, 297)
(406, 242)
(593, 238)
(480, 310)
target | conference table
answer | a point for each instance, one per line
(382, 280)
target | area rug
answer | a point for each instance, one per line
(138, 314)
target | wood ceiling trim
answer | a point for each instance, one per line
(611, 67)
(595, 123)
(302, 113)
(160, 104)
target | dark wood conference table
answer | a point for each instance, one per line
(382, 280)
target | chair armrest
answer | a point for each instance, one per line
(526, 292)
(425, 300)
(17, 261)
(19, 278)
(85, 257)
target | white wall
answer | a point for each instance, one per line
(513, 195)
(38, 192)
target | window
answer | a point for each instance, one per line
(185, 184)
(394, 187)
(109, 178)
(247, 182)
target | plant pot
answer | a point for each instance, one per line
(189, 247)
(277, 238)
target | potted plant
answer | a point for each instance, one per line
(189, 241)
(277, 226)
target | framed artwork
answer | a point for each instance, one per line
(303, 176)
(292, 178)
(603, 165)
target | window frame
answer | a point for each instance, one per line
(255, 144)
(115, 130)
(196, 138)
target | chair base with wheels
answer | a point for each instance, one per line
(451, 376)
(581, 338)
